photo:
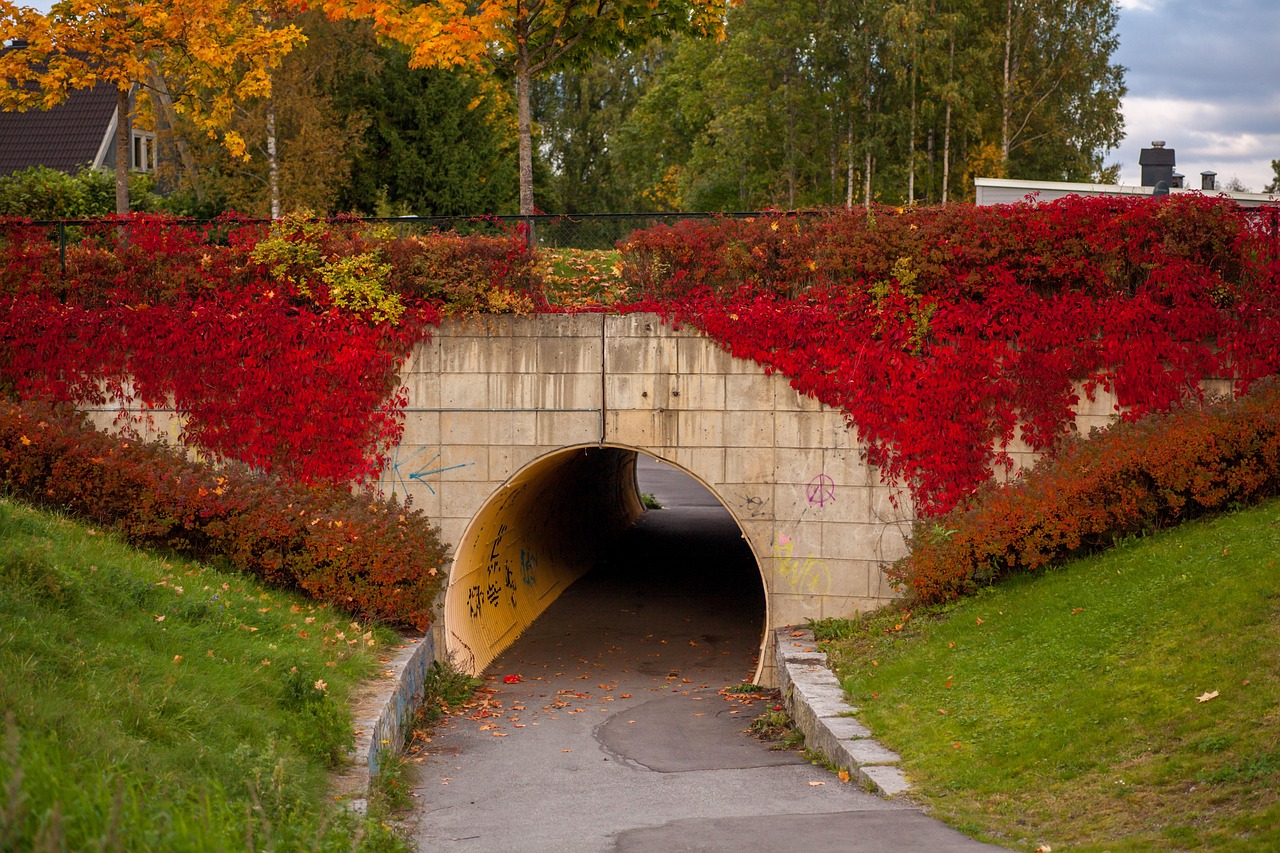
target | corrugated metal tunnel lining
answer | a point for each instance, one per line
(545, 528)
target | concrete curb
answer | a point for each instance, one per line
(814, 699)
(382, 710)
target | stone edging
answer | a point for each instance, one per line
(814, 699)
(382, 708)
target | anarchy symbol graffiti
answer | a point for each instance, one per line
(821, 490)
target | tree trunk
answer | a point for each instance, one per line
(273, 162)
(848, 193)
(162, 99)
(123, 152)
(524, 117)
(911, 141)
(1006, 100)
(946, 125)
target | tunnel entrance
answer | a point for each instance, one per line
(576, 517)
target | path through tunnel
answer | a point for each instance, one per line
(606, 725)
(568, 544)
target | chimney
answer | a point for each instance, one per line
(1157, 164)
(1208, 180)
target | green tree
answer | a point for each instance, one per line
(521, 40)
(1274, 186)
(580, 112)
(1057, 96)
(438, 141)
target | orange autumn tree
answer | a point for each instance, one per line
(522, 39)
(199, 57)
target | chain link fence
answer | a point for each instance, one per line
(586, 231)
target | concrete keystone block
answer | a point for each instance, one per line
(818, 674)
(864, 752)
(889, 781)
(846, 728)
(827, 705)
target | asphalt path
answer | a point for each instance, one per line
(607, 726)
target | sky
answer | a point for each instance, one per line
(1204, 76)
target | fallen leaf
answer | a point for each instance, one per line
(1205, 697)
(980, 620)
(566, 750)
(844, 775)
(816, 784)
(1076, 610)
(512, 679)
(942, 711)
(488, 727)
(500, 734)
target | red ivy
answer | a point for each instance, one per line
(943, 332)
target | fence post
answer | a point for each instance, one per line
(1275, 233)
(62, 247)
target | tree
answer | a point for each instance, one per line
(525, 39)
(1058, 92)
(1274, 186)
(437, 142)
(200, 56)
(580, 112)
(304, 137)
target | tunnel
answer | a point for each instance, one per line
(566, 514)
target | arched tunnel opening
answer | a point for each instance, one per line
(567, 543)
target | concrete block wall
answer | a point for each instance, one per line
(491, 396)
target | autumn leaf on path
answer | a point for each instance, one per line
(512, 679)
(816, 784)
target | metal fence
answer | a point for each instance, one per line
(585, 231)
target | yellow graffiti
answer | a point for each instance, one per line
(809, 575)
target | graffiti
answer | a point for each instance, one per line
(821, 490)
(528, 568)
(810, 576)
(401, 471)
(499, 581)
(752, 505)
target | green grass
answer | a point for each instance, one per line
(159, 704)
(1064, 709)
(581, 277)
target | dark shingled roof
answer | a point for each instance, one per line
(65, 137)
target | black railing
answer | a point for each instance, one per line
(558, 231)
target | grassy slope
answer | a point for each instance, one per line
(164, 705)
(1064, 709)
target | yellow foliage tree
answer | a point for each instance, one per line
(200, 56)
(522, 39)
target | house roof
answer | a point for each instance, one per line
(65, 137)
